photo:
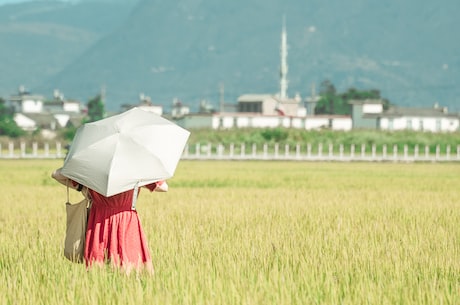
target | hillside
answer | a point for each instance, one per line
(187, 48)
(40, 39)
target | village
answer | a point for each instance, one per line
(35, 112)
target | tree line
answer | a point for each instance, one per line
(333, 102)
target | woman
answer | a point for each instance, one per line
(114, 232)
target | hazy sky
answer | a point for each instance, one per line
(17, 1)
(6, 1)
(10, 1)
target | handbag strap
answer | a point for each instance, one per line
(85, 193)
(67, 184)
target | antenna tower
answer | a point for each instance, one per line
(284, 66)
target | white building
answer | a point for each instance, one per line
(33, 112)
(179, 110)
(267, 104)
(251, 120)
(24, 122)
(419, 119)
(61, 105)
(371, 114)
(67, 106)
(34, 121)
(145, 103)
(24, 102)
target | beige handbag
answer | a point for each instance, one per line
(77, 218)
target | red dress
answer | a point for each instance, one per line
(114, 232)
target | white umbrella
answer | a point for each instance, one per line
(115, 154)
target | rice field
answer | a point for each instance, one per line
(252, 232)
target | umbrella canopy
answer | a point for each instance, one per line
(115, 154)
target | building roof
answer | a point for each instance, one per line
(41, 119)
(45, 119)
(22, 97)
(60, 102)
(251, 98)
(396, 111)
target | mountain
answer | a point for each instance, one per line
(187, 48)
(40, 39)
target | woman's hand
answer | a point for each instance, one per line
(162, 186)
(56, 175)
(66, 181)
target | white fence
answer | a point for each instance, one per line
(306, 152)
(22, 151)
(321, 152)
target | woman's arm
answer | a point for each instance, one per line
(56, 175)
